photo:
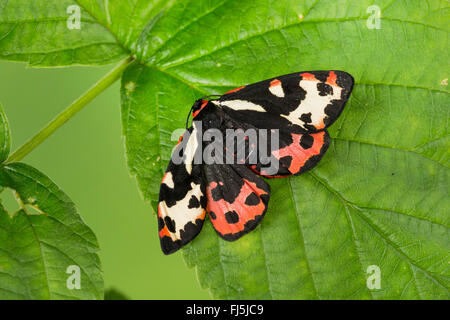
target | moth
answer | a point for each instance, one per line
(299, 107)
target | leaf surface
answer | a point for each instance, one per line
(44, 241)
(37, 32)
(380, 195)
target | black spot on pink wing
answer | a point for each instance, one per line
(306, 141)
(232, 217)
(252, 199)
(286, 161)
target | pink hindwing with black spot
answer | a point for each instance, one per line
(299, 106)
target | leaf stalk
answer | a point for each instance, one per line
(101, 85)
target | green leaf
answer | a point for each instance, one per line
(5, 135)
(37, 32)
(44, 242)
(379, 196)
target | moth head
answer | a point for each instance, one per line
(198, 106)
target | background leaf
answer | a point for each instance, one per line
(37, 32)
(380, 194)
(114, 294)
(41, 240)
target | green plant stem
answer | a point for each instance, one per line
(70, 111)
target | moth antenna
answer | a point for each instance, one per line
(189, 114)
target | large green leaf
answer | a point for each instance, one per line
(45, 242)
(379, 196)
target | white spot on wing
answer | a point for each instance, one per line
(191, 147)
(276, 89)
(168, 180)
(239, 105)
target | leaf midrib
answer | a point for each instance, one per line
(41, 252)
(46, 19)
(58, 50)
(94, 286)
(300, 228)
(107, 27)
(355, 242)
(41, 242)
(158, 49)
(266, 269)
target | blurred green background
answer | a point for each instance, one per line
(86, 159)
